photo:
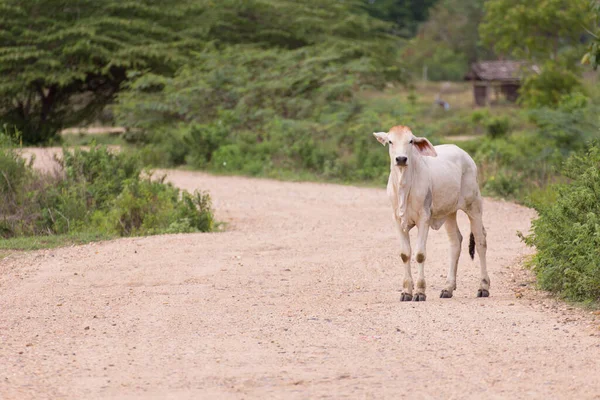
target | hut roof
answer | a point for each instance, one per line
(503, 71)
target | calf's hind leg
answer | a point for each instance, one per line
(455, 239)
(478, 231)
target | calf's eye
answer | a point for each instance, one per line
(411, 141)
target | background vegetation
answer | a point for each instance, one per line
(293, 90)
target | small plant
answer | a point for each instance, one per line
(412, 97)
(479, 116)
(497, 127)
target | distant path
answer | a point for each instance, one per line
(298, 299)
(95, 130)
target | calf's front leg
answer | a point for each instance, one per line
(407, 284)
(423, 227)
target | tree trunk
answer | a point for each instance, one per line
(47, 103)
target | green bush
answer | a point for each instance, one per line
(549, 87)
(15, 187)
(497, 127)
(203, 140)
(479, 116)
(97, 191)
(567, 232)
(152, 207)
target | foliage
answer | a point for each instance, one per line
(97, 192)
(256, 85)
(511, 166)
(528, 156)
(61, 63)
(406, 14)
(455, 24)
(567, 232)
(265, 108)
(15, 175)
(497, 127)
(448, 41)
(435, 61)
(566, 128)
(592, 56)
(286, 24)
(549, 87)
(537, 30)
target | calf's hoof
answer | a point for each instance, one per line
(419, 297)
(406, 297)
(446, 294)
(483, 293)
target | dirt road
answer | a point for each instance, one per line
(299, 298)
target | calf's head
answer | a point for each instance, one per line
(404, 146)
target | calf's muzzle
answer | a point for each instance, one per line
(401, 161)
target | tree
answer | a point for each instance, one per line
(537, 30)
(448, 41)
(455, 24)
(269, 56)
(549, 33)
(405, 14)
(62, 62)
(276, 76)
(593, 54)
(289, 24)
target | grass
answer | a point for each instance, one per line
(51, 241)
(31, 243)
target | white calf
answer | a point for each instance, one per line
(427, 186)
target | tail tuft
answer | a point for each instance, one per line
(472, 246)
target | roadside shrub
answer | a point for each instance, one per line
(567, 232)
(15, 179)
(97, 191)
(497, 127)
(152, 207)
(14, 173)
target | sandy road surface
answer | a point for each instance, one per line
(298, 299)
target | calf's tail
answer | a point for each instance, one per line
(472, 246)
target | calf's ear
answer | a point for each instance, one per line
(424, 147)
(382, 137)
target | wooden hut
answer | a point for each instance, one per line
(495, 77)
